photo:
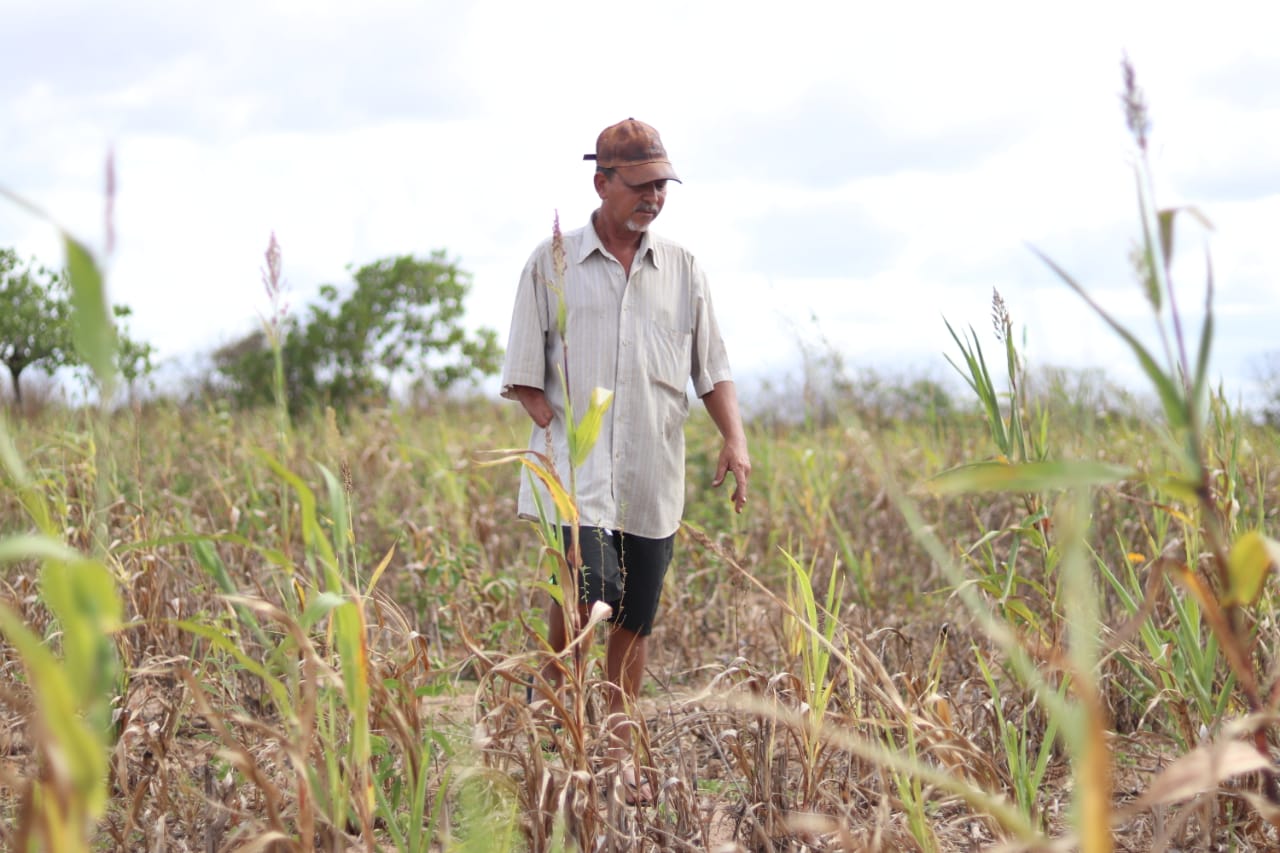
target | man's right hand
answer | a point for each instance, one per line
(535, 403)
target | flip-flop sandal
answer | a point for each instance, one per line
(636, 789)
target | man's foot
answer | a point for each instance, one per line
(542, 708)
(635, 787)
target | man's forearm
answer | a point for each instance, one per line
(535, 403)
(722, 404)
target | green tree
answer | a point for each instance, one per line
(133, 358)
(35, 318)
(401, 318)
(35, 324)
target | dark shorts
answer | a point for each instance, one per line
(625, 572)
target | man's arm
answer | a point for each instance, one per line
(722, 404)
(535, 403)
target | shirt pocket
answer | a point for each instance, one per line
(669, 363)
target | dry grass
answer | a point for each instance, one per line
(907, 753)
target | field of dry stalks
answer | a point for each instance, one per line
(325, 638)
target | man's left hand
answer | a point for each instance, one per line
(734, 457)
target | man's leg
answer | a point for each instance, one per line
(589, 573)
(625, 660)
(558, 639)
(644, 565)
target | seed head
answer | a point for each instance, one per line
(1000, 319)
(273, 284)
(557, 250)
(111, 201)
(1135, 106)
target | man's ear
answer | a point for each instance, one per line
(600, 180)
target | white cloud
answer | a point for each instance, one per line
(877, 167)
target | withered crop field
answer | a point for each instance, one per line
(222, 634)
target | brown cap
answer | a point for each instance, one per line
(635, 150)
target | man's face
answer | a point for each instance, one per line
(632, 208)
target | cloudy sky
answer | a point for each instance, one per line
(854, 172)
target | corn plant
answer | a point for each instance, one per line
(1236, 570)
(818, 683)
(71, 694)
(911, 789)
(1026, 760)
(564, 557)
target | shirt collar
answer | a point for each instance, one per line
(591, 243)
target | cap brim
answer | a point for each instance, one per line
(644, 173)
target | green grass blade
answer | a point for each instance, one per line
(1028, 476)
(1171, 398)
(219, 640)
(30, 498)
(979, 379)
(313, 536)
(274, 556)
(340, 518)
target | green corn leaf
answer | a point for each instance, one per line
(1182, 488)
(1206, 337)
(1150, 273)
(584, 436)
(1252, 558)
(37, 547)
(1020, 609)
(319, 606)
(1028, 477)
(349, 630)
(379, 569)
(551, 589)
(1166, 219)
(1175, 405)
(83, 595)
(93, 329)
(541, 467)
(73, 748)
(566, 507)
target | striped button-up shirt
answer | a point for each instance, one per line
(643, 337)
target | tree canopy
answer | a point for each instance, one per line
(400, 318)
(36, 324)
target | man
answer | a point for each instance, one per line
(640, 324)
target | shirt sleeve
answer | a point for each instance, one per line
(710, 360)
(525, 362)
